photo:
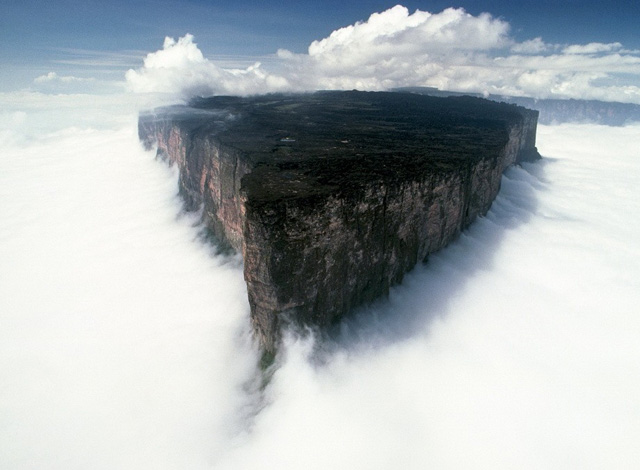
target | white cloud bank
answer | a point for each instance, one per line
(180, 68)
(124, 344)
(450, 50)
(114, 316)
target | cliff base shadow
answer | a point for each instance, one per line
(426, 292)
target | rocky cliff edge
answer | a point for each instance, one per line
(332, 197)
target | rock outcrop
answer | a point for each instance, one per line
(333, 197)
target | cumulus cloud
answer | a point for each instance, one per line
(396, 48)
(396, 32)
(450, 50)
(531, 46)
(180, 68)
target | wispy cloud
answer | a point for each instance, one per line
(592, 48)
(96, 58)
(180, 68)
(54, 77)
(52, 82)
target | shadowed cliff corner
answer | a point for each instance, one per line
(428, 292)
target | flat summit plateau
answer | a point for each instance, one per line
(332, 197)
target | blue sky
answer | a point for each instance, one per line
(38, 31)
(94, 38)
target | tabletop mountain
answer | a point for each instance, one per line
(332, 197)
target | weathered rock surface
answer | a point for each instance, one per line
(332, 197)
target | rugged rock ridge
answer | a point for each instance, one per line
(332, 197)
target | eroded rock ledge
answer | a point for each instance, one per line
(332, 197)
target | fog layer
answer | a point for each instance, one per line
(124, 340)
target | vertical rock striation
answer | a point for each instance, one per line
(332, 197)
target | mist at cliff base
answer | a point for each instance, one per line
(125, 340)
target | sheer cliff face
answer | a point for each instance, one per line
(210, 177)
(326, 258)
(332, 198)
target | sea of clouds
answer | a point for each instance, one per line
(125, 339)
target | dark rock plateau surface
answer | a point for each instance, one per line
(332, 197)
